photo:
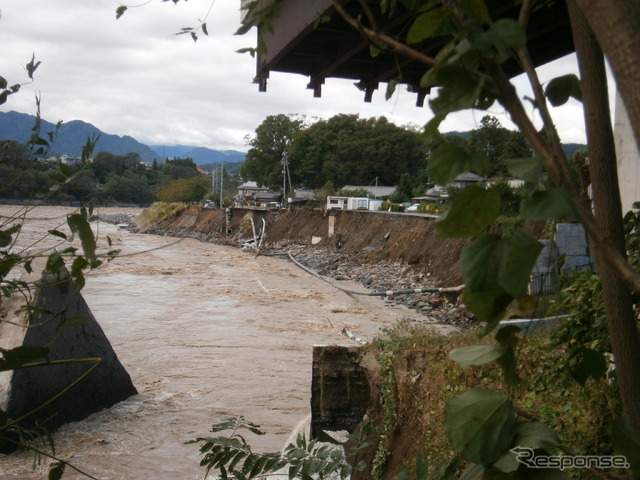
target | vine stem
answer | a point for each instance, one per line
(381, 37)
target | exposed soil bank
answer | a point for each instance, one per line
(370, 237)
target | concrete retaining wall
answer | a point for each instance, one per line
(339, 390)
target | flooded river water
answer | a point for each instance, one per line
(206, 332)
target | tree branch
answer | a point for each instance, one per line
(382, 38)
(554, 158)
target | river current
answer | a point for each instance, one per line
(206, 332)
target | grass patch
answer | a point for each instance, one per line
(157, 212)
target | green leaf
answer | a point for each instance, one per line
(32, 66)
(431, 128)
(375, 49)
(627, 443)
(450, 470)
(56, 470)
(460, 89)
(80, 225)
(120, 11)
(560, 89)
(77, 267)
(487, 305)
(250, 51)
(243, 29)
(57, 233)
(402, 475)
(472, 472)
(473, 210)
(476, 354)
(509, 32)
(8, 263)
(508, 463)
(422, 467)
(447, 161)
(504, 35)
(531, 435)
(508, 364)
(584, 363)
(495, 271)
(57, 177)
(6, 236)
(480, 264)
(391, 88)
(536, 435)
(476, 9)
(426, 25)
(528, 169)
(480, 425)
(516, 265)
(546, 205)
(508, 336)
(66, 170)
(19, 356)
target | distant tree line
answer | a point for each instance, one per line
(349, 150)
(108, 178)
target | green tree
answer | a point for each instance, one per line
(263, 162)
(21, 176)
(498, 143)
(128, 188)
(346, 149)
(83, 187)
(405, 189)
(105, 163)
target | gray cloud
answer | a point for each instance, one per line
(134, 77)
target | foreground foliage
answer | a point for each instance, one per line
(422, 413)
(231, 456)
(58, 256)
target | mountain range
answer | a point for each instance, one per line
(72, 136)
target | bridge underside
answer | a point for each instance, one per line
(332, 48)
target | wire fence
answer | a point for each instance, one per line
(546, 283)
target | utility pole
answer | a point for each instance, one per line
(285, 169)
(221, 182)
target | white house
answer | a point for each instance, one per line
(337, 203)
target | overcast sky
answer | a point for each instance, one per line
(134, 77)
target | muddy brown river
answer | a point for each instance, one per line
(206, 332)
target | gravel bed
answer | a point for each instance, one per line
(382, 277)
